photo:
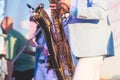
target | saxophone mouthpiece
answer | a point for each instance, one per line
(29, 6)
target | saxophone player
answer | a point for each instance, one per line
(90, 36)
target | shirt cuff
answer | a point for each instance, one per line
(73, 11)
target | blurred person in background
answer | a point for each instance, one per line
(3, 63)
(23, 67)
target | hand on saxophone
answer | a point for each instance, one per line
(31, 43)
(63, 5)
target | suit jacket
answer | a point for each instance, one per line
(89, 31)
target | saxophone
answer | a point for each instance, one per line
(56, 40)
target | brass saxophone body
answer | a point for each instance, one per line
(57, 43)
